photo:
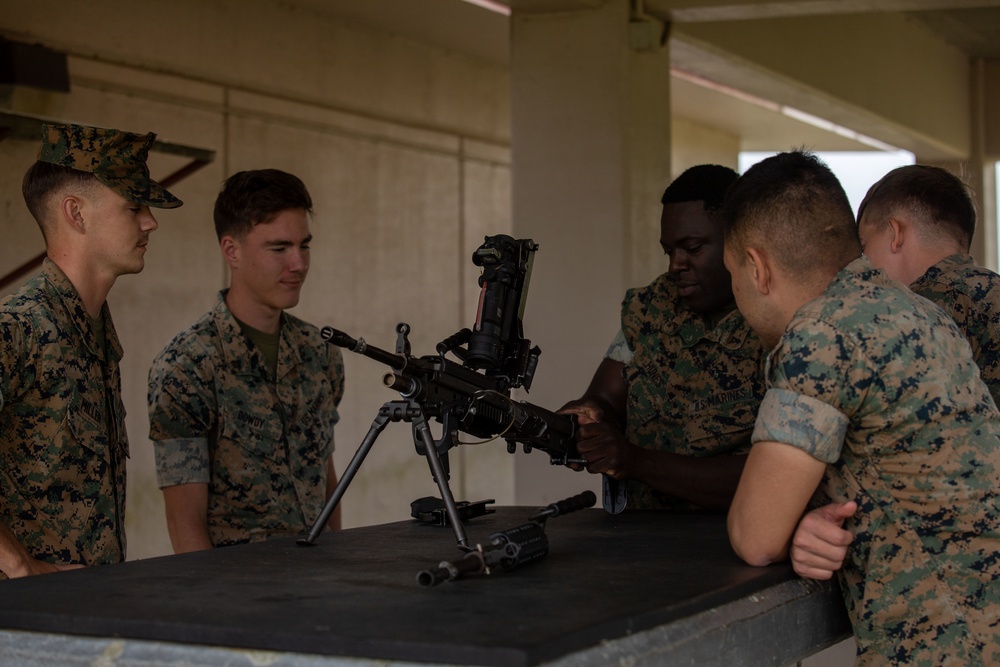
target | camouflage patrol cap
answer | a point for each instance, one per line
(116, 158)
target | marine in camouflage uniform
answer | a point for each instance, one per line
(917, 223)
(880, 385)
(63, 445)
(671, 405)
(694, 381)
(971, 295)
(62, 425)
(217, 417)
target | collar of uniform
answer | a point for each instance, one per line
(244, 358)
(947, 264)
(859, 273)
(858, 269)
(729, 330)
(63, 289)
(289, 348)
(239, 355)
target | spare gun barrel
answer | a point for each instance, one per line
(470, 563)
(508, 549)
(578, 502)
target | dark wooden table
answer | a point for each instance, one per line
(649, 586)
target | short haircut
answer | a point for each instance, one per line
(44, 179)
(705, 183)
(249, 198)
(792, 206)
(935, 198)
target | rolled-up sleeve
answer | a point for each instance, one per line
(809, 424)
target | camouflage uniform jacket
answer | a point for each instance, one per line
(218, 418)
(62, 425)
(693, 388)
(880, 384)
(971, 295)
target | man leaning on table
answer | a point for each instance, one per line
(873, 399)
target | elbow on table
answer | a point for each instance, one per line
(753, 550)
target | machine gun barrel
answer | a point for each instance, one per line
(341, 339)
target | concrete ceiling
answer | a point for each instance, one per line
(974, 30)
(972, 26)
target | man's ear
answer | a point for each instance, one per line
(71, 211)
(759, 264)
(230, 248)
(898, 231)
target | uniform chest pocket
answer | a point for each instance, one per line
(647, 397)
(75, 474)
(258, 434)
(86, 424)
(696, 412)
(313, 426)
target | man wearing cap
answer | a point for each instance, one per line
(243, 403)
(62, 423)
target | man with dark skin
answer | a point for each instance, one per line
(670, 408)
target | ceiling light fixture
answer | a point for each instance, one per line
(490, 5)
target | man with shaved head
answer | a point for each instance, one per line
(874, 401)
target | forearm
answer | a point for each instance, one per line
(772, 495)
(188, 536)
(709, 482)
(187, 517)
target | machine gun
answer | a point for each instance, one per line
(472, 396)
(464, 400)
(508, 549)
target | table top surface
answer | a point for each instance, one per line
(355, 592)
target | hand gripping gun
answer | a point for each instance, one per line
(508, 549)
(472, 396)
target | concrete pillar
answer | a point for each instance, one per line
(591, 156)
(984, 155)
(979, 170)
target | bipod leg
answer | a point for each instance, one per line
(441, 477)
(378, 425)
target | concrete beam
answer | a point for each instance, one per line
(879, 75)
(691, 11)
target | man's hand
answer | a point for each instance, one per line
(15, 561)
(604, 400)
(606, 450)
(820, 544)
(587, 411)
(33, 566)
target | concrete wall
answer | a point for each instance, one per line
(693, 143)
(404, 147)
